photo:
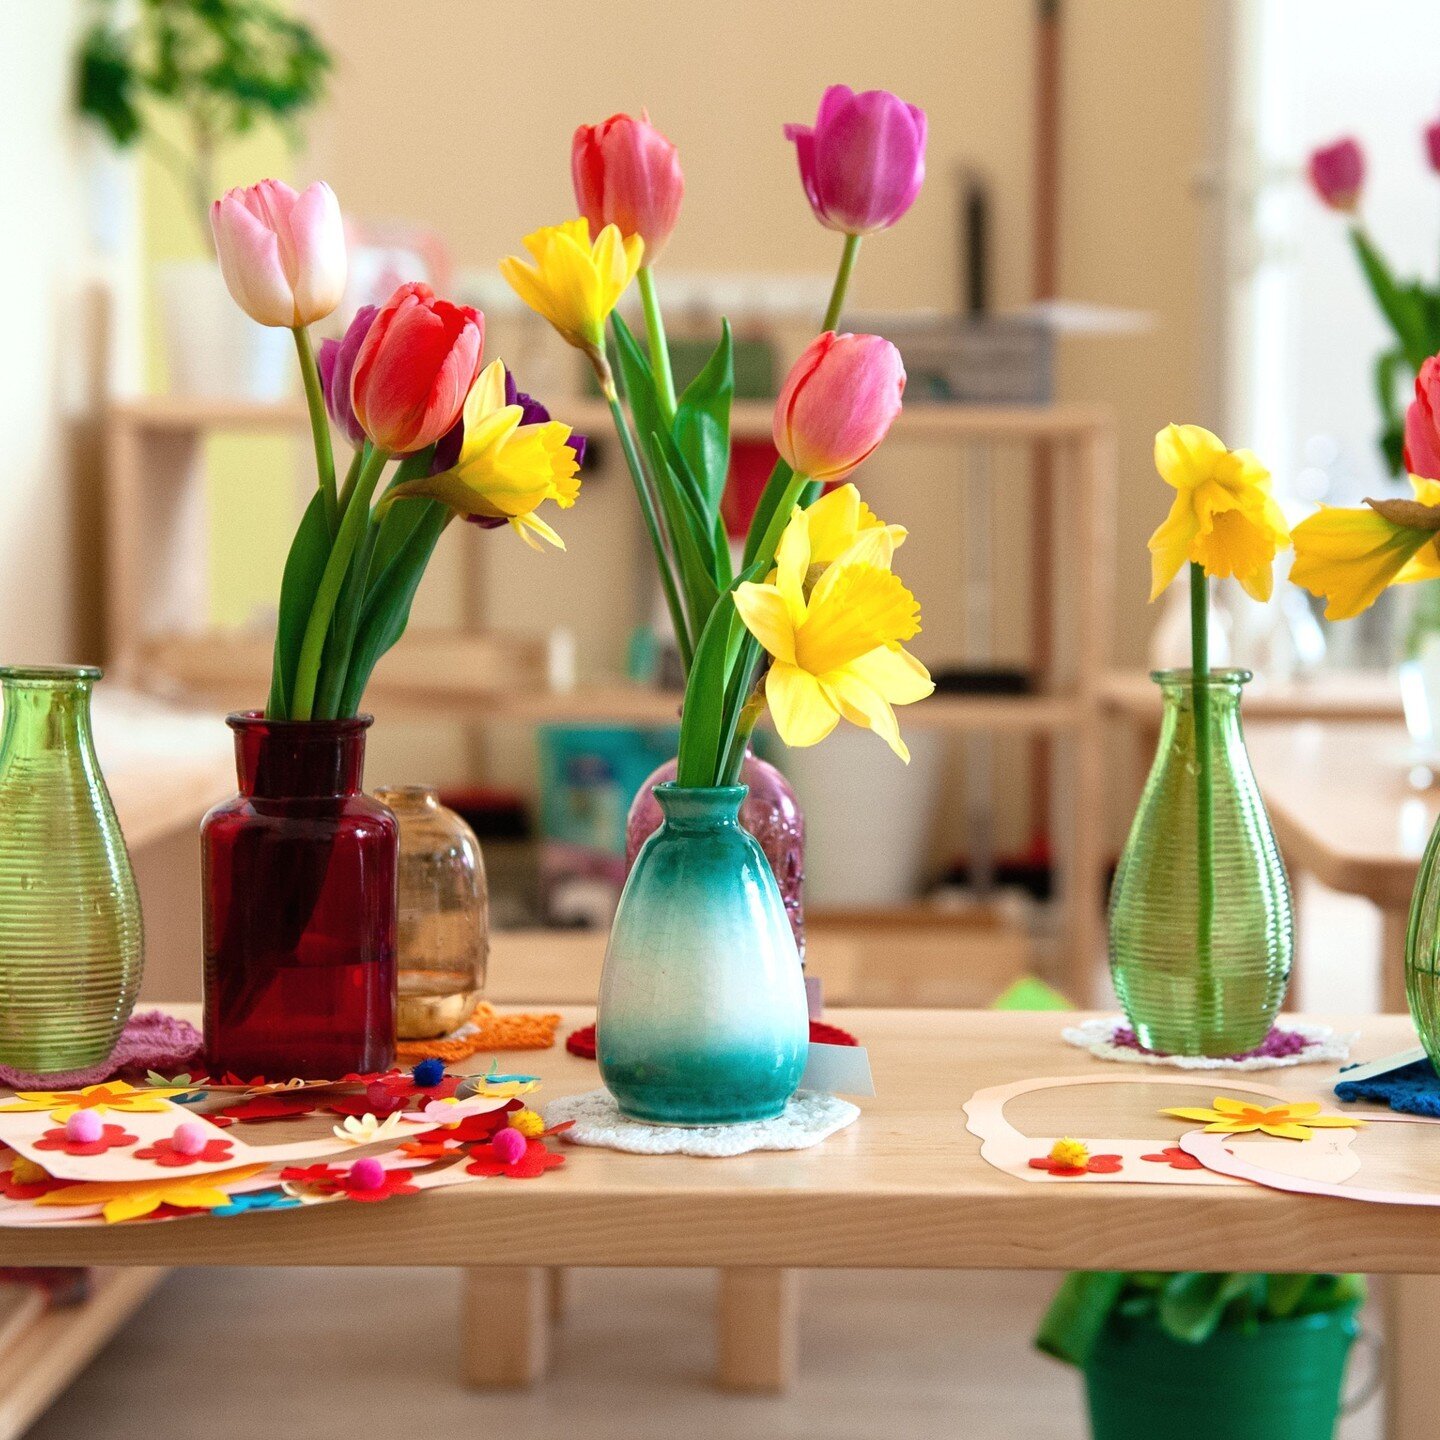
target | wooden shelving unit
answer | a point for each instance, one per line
(155, 519)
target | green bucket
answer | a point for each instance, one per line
(1280, 1381)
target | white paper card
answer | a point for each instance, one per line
(838, 1070)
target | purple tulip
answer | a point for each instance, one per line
(336, 363)
(863, 162)
(1337, 172)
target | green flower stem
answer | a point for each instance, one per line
(836, 307)
(317, 628)
(659, 348)
(652, 523)
(319, 426)
(352, 475)
(335, 665)
(1205, 795)
(795, 487)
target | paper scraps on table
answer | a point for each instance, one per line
(132, 1199)
(1295, 1120)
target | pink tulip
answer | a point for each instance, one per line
(1422, 424)
(336, 361)
(837, 404)
(282, 254)
(863, 161)
(1337, 172)
(627, 174)
(1432, 144)
(415, 367)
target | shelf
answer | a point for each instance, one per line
(750, 419)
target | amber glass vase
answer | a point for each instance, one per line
(299, 879)
(444, 916)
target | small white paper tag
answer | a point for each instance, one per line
(838, 1070)
(814, 996)
(1383, 1066)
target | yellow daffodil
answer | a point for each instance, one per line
(506, 470)
(1295, 1121)
(837, 520)
(1350, 556)
(575, 283)
(1224, 518)
(836, 650)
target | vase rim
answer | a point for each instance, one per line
(422, 793)
(299, 729)
(1228, 675)
(50, 674)
(668, 788)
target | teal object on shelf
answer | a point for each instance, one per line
(71, 939)
(702, 1017)
(1192, 986)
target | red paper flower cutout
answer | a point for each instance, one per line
(581, 1042)
(163, 1152)
(111, 1137)
(13, 1189)
(482, 1126)
(337, 1180)
(537, 1159)
(1095, 1165)
(1175, 1158)
(263, 1107)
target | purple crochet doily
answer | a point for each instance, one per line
(1275, 1046)
(149, 1041)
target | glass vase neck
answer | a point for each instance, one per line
(298, 759)
(410, 799)
(47, 707)
(700, 807)
(1180, 685)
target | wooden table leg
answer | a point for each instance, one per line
(1393, 927)
(558, 1288)
(1412, 1316)
(758, 1317)
(505, 1326)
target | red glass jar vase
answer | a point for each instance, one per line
(300, 905)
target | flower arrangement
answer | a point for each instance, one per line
(813, 620)
(1410, 307)
(405, 384)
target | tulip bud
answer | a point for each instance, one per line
(863, 161)
(1337, 172)
(282, 254)
(627, 174)
(336, 362)
(1432, 144)
(414, 369)
(1422, 424)
(837, 404)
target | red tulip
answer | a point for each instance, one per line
(1422, 424)
(415, 368)
(837, 404)
(1337, 172)
(1432, 144)
(627, 174)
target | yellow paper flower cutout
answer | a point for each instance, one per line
(502, 1089)
(130, 1199)
(366, 1129)
(113, 1095)
(1297, 1120)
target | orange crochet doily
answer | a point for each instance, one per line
(491, 1032)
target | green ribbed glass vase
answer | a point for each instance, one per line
(1198, 979)
(71, 941)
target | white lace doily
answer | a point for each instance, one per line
(809, 1118)
(1096, 1036)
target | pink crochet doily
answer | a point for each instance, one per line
(151, 1041)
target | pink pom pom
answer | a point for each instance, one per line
(84, 1127)
(189, 1138)
(508, 1145)
(367, 1173)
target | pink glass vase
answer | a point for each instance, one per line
(770, 812)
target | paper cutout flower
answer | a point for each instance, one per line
(263, 1107)
(482, 1126)
(114, 1095)
(503, 1087)
(166, 1151)
(111, 1137)
(1294, 1121)
(340, 1180)
(188, 1083)
(134, 1199)
(275, 1199)
(533, 1161)
(366, 1129)
(25, 1180)
(1175, 1158)
(451, 1112)
(434, 1149)
(1072, 1157)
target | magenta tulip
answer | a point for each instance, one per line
(282, 254)
(336, 359)
(627, 174)
(863, 161)
(1337, 172)
(1422, 424)
(837, 404)
(1432, 144)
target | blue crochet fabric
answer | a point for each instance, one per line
(1414, 1090)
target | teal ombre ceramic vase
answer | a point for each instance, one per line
(1200, 978)
(702, 1017)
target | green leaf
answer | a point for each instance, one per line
(1192, 1304)
(304, 566)
(702, 421)
(1079, 1313)
(1397, 303)
(702, 719)
(639, 383)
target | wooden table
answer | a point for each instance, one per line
(1347, 811)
